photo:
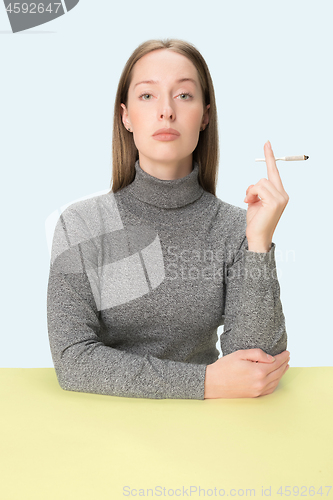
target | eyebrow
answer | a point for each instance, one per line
(177, 81)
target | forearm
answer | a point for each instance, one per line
(254, 316)
(84, 363)
(212, 387)
(260, 247)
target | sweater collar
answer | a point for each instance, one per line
(166, 193)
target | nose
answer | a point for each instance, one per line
(167, 115)
(167, 111)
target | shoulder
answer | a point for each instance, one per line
(227, 225)
(85, 206)
(227, 216)
(86, 220)
(95, 215)
(232, 215)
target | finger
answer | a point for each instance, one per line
(283, 355)
(255, 354)
(259, 193)
(280, 360)
(270, 389)
(273, 385)
(268, 185)
(277, 374)
(272, 170)
(250, 199)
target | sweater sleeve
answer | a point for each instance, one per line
(253, 311)
(82, 361)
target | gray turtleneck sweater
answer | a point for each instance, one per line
(140, 280)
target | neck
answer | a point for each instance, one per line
(165, 193)
(167, 171)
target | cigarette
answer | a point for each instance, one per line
(287, 158)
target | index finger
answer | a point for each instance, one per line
(272, 170)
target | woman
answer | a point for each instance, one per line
(142, 277)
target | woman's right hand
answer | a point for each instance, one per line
(247, 373)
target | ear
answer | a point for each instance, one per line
(124, 115)
(205, 118)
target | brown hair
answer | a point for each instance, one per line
(124, 151)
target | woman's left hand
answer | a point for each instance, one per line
(266, 202)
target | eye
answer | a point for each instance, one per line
(186, 93)
(144, 95)
(183, 93)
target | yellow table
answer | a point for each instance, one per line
(64, 445)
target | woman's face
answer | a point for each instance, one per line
(165, 104)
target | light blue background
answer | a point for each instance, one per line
(271, 67)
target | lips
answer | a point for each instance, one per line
(166, 131)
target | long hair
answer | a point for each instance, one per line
(124, 151)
